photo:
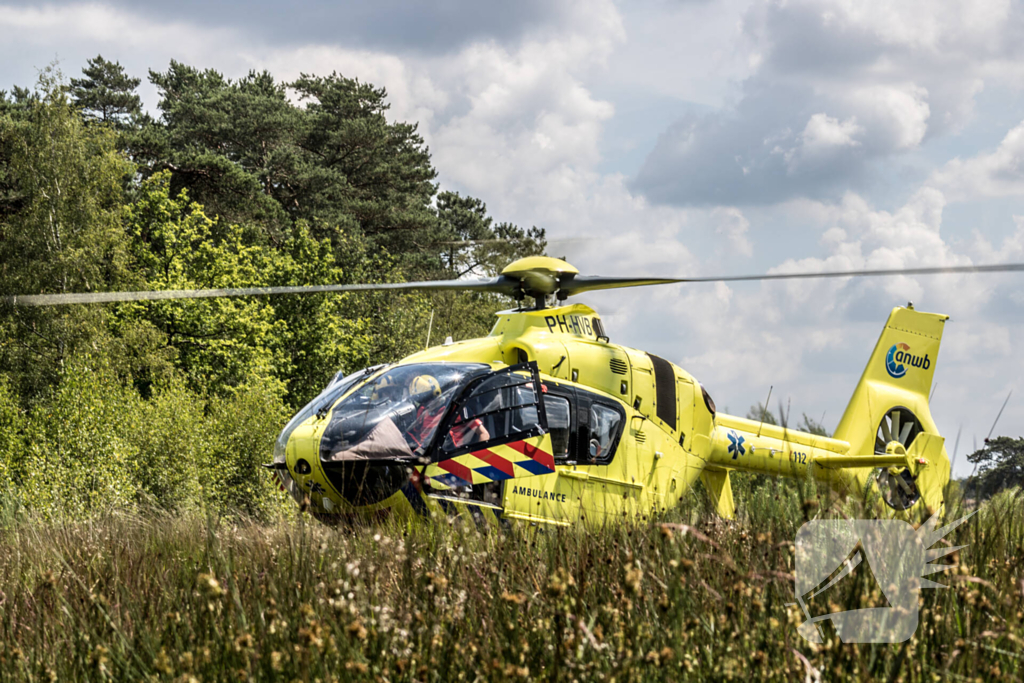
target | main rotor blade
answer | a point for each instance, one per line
(587, 283)
(538, 283)
(498, 284)
(880, 272)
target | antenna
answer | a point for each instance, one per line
(764, 409)
(430, 326)
(999, 415)
(956, 447)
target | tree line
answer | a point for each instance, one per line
(229, 183)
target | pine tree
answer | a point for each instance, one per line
(107, 94)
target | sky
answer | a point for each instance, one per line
(683, 138)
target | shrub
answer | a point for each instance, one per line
(171, 436)
(78, 460)
(243, 427)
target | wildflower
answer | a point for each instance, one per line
(275, 660)
(98, 658)
(243, 642)
(357, 629)
(357, 666)
(49, 580)
(311, 637)
(514, 598)
(162, 663)
(209, 584)
(633, 579)
(436, 582)
(559, 582)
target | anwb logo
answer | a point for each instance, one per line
(896, 558)
(899, 358)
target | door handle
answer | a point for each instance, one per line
(574, 474)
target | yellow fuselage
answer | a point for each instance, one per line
(663, 448)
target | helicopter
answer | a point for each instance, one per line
(547, 421)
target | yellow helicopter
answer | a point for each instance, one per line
(546, 421)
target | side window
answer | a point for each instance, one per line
(558, 424)
(605, 424)
(499, 408)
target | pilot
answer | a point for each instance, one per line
(423, 392)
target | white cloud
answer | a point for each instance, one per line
(895, 116)
(900, 72)
(734, 225)
(999, 173)
(811, 339)
(823, 132)
(822, 137)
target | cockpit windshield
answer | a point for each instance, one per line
(396, 413)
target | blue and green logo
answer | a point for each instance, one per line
(899, 359)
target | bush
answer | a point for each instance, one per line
(11, 442)
(243, 427)
(171, 436)
(95, 445)
(78, 460)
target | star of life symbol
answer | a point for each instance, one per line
(897, 555)
(736, 445)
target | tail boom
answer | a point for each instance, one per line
(887, 425)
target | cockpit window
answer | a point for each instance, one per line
(604, 428)
(396, 413)
(500, 407)
(558, 425)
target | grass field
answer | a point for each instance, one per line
(186, 598)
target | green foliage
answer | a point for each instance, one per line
(173, 450)
(758, 413)
(107, 94)
(173, 403)
(79, 460)
(220, 341)
(61, 232)
(812, 426)
(242, 433)
(360, 169)
(12, 443)
(1000, 466)
(470, 245)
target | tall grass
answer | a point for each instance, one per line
(688, 597)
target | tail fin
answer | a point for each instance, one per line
(890, 404)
